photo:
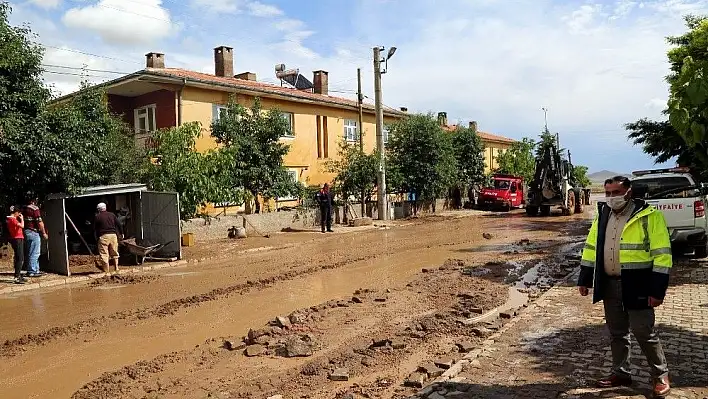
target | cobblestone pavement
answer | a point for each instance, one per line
(558, 347)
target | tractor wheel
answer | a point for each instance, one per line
(570, 209)
(545, 210)
(579, 202)
(532, 210)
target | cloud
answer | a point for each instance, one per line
(259, 9)
(122, 22)
(253, 8)
(46, 3)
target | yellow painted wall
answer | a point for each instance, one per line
(491, 151)
(197, 106)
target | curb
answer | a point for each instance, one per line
(136, 269)
(450, 375)
(93, 276)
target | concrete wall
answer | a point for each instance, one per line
(491, 151)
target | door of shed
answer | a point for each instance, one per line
(55, 223)
(161, 221)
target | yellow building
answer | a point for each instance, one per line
(493, 144)
(158, 97)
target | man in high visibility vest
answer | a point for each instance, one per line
(627, 259)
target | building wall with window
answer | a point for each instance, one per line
(317, 130)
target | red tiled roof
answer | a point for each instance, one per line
(484, 135)
(259, 86)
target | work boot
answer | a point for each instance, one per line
(20, 280)
(615, 380)
(661, 387)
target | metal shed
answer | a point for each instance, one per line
(154, 219)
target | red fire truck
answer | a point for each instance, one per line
(506, 192)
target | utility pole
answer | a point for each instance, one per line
(360, 100)
(381, 181)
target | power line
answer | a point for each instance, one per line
(89, 54)
(85, 69)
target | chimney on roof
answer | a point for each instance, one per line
(404, 109)
(155, 60)
(442, 118)
(473, 126)
(320, 81)
(224, 61)
(246, 76)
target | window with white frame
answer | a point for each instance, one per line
(351, 132)
(145, 119)
(221, 111)
(290, 119)
(293, 173)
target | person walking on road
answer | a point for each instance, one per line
(34, 232)
(15, 225)
(627, 259)
(324, 200)
(107, 230)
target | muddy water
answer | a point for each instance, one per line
(78, 360)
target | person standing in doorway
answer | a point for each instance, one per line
(15, 225)
(324, 200)
(34, 232)
(626, 260)
(107, 230)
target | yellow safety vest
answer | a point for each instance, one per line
(645, 251)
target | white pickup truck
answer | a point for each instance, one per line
(677, 194)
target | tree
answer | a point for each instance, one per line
(355, 172)
(469, 155)
(177, 166)
(580, 175)
(422, 158)
(22, 92)
(251, 141)
(519, 159)
(688, 100)
(59, 148)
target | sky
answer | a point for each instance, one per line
(594, 65)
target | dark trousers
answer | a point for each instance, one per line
(641, 322)
(326, 218)
(18, 246)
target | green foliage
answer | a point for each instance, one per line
(422, 159)
(178, 167)
(662, 141)
(251, 144)
(580, 175)
(355, 172)
(22, 92)
(688, 100)
(469, 154)
(519, 159)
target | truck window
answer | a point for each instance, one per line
(651, 186)
(501, 184)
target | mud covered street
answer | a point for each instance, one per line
(298, 314)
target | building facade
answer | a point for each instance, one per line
(158, 97)
(494, 145)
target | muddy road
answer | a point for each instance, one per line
(162, 334)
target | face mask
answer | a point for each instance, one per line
(616, 203)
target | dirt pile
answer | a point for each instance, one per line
(366, 339)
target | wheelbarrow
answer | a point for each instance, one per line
(141, 253)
